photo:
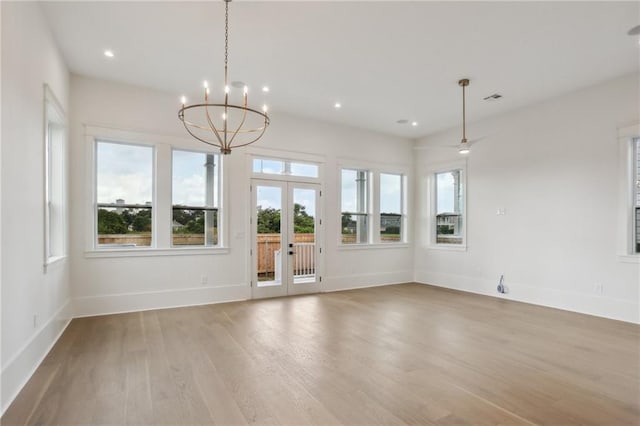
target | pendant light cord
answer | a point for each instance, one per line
(226, 39)
(464, 123)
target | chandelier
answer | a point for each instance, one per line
(225, 125)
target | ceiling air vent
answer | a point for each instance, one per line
(493, 97)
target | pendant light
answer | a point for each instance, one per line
(464, 147)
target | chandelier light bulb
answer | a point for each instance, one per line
(226, 89)
(264, 108)
(224, 116)
(265, 89)
(183, 100)
(246, 89)
(206, 84)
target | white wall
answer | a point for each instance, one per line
(555, 168)
(103, 285)
(29, 59)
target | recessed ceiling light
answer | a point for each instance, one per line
(337, 105)
(402, 121)
(109, 53)
(414, 123)
(265, 89)
(238, 84)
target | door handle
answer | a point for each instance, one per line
(290, 245)
(291, 252)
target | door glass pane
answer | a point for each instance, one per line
(304, 170)
(269, 235)
(304, 235)
(272, 167)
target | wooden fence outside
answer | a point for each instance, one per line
(267, 246)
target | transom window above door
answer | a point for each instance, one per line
(271, 166)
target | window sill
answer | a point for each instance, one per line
(375, 246)
(53, 260)
(629, 258)
(447, 247)
(151, 252)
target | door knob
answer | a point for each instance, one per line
(291, 252)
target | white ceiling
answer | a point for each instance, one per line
(383, 61)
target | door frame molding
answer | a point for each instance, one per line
(319, 237)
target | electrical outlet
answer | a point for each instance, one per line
(203, 280)
(599, 288)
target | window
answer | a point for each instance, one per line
(636, 195)
(124, 195)
(391, 208)
(195, 195)
(55, 180)
(284, 167)
(355, 206)
(449, 207)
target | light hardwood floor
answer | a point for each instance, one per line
(402, 354)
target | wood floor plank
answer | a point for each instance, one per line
(401, 354)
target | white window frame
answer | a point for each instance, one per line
(403, 207)
(635, 203)
(98, 205)
(287, 159)
(375, 169)
(54, 116)
(162, 195)
(627, 190)
(368, 214)
(432, 208)
(215, 208)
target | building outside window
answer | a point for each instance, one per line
(195, 195)
(355, 209)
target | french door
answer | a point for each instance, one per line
(285, 244)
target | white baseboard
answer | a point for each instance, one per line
(591, 304)
(19, 369)
(349, 282)
(145, 301)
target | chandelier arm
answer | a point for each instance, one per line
(197, 126)
(212, 126)
(244, 117)
(249, 143)
(199, 138)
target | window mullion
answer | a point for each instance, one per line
(374, 190)
(162, 210)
